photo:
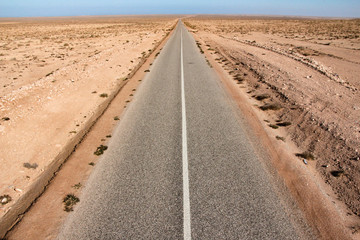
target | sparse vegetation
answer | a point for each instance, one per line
(70, 200)
(100, 150)
(77, 186)
(116, 118)
(273, 106)
(239, 78)
(199, 46)
(30, 166)
(104, 95)
(306, 155)
(280, 138)
(273, 126)
(49, 74)
(283, 124)
(262, 97)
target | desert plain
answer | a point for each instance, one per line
(302, 73)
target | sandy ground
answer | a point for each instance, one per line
(54, 73)
(310, 69)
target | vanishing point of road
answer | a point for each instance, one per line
(180, 164)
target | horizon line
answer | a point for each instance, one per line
(194, 14)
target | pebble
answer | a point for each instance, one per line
(305, 161)
(4, 200)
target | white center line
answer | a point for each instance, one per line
(186, 194)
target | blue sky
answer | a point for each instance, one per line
(31, 8)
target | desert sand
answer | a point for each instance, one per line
(304, 74)
(54, 73)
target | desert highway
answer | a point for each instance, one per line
(180, 164)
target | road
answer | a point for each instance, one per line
(180, 164)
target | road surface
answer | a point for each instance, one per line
(180, 164)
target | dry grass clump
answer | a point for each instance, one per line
(30, 166)
(273, 126)
(271, 106)
(100, 150)
(306, 155)
(283, 124)
(262, 96)
(280, 138)
(70, 200)
(240, 78)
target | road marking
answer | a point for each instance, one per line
(186, 194)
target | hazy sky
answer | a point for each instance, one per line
(26, 8)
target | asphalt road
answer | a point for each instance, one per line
(142, 187)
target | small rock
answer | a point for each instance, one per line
(4, 199)
(305, 161)
(337, 173)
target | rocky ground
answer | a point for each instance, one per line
(304, 73)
